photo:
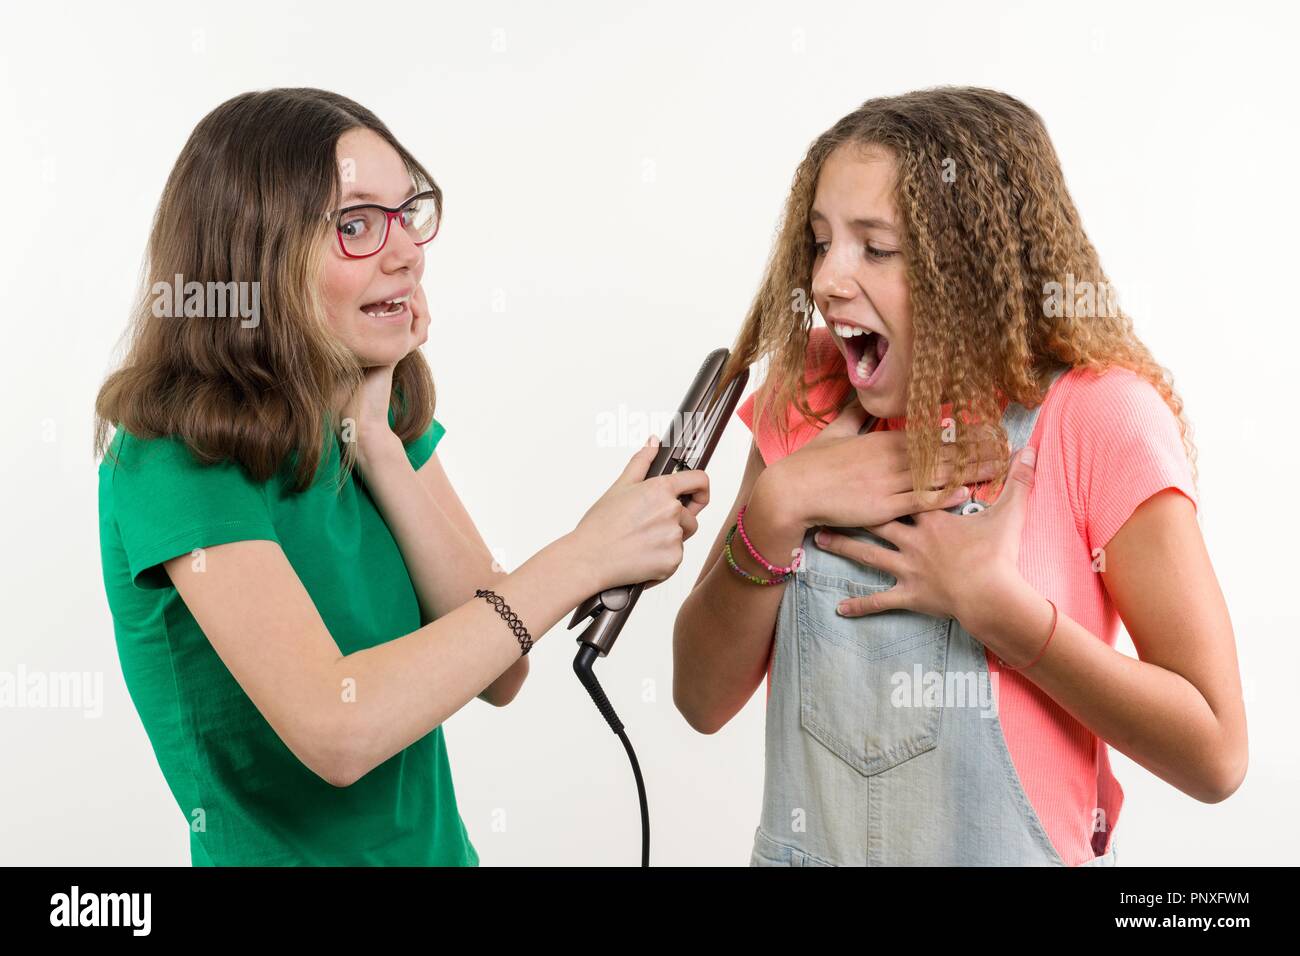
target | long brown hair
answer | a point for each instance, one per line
(981, 242)
(246, 202)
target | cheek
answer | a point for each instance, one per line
(900, 313)
(342, 288)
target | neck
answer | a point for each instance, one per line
(338, 403)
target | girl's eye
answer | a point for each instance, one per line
(352, 228)
(819, 248)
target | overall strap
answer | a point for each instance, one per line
(1018, 421)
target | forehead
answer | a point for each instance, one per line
(370, 170)
(855, 182)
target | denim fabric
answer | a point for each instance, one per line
(883, 743)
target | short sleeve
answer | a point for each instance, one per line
(1121, 444)
(745, 412)
(166, 503)
(820, 360)
(421, 449)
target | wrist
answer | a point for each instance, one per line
(378, 447)
(1008, 616)
(581, 565)
(776, 507)
(771, 525)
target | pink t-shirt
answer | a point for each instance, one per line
(1106, 443)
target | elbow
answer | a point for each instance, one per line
(695, 719)
(686, 703)
(336, 751)
(695, 694)
(697, 715)
(506, 687)
(1225, 781)
(339, 769)
(708, 727)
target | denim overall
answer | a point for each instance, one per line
(883, 744)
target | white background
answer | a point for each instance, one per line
(613, 179)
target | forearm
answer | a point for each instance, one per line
(723, 633)
(445, 567)
(393, 694)
(1147, 712)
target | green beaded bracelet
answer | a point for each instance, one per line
(755, 579)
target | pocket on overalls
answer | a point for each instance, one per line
(862, 680)
(770, 852)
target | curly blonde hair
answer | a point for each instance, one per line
(987, 226)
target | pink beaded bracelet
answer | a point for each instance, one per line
(772, 569)
(752, 578)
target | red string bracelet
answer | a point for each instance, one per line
(1021, 667)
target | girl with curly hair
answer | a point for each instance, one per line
(958, 488)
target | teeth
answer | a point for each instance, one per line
(850, 331)
(390, 307)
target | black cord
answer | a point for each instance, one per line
(582, 664)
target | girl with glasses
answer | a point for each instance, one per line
(299, 597)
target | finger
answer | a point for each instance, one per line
(980, 470)
(982, 448)
(984, 470)
(919, 501)
(688, 482)
(890, 600)
(689, 524)
(640, 463)
(862, 552)
(1015, 493)
(895, 532)
(697, 501)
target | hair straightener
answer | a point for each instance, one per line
(692, 435)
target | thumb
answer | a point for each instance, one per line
(640, 463)
(1020, 479)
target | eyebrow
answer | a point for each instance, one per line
(364, 196)
(870, 223)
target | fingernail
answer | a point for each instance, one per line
(1028, 455)
(964, 492)
(820, 537)
(842, 607)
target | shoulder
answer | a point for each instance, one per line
(1119, 443)
(167, 464)
(1116, 401)
(821, 358)
(132, 453)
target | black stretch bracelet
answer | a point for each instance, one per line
(511, 618)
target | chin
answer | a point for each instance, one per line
(880, 407)
(373, 356)
(371, 350)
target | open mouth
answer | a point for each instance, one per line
(866, 352)
(386, 309)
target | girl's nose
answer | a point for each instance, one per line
(830, 284)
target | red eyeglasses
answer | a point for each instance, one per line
(363, 230)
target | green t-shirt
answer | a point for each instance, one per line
(247, 799)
